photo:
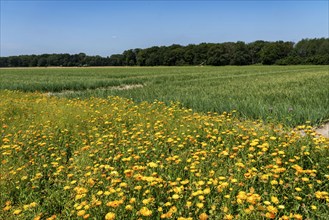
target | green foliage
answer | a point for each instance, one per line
(307, 51)
(272, 52)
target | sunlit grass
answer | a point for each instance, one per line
(114, 158)
(290, 95)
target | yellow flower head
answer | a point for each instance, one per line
(144, 211)
(17, 212)
(203, 216)
(110, 216)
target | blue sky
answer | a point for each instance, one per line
(108, 27)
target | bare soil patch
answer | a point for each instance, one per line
(323, 130)
(121, 87)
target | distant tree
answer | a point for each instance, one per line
(141, 57)
(272, 52)
(116, 60)
(14, 61)
(153, 56)
(254, 49)
(189, 54)
(174, 55)
(306, 51)
(217, 55)
(200, 53)
(53, 60)
(129, 57)
(4, 62)
(42, 61)
(82, 59)
(240, 54)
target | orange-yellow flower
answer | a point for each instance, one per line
(81, 213)
(270, 215)
(203, 216)
(228, 217)
(298, 217)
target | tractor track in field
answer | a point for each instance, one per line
(121, 87)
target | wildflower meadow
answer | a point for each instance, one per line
(113, 158)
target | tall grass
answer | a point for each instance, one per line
(291, 94)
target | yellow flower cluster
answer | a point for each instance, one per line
(115, 159)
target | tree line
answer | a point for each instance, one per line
(307, 51)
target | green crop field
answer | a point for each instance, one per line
(291, 95)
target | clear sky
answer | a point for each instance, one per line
(108, 27)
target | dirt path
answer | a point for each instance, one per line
(121, 87)
(323, 130)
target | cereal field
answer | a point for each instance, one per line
(287, 94)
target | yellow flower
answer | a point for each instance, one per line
(17, 212)
(114, 203)
(166, 215)
(274, 199)
(146, 201)
(188, 204)
(129, 207)
(203, 216)
(298, 217)
(110, 216)
(281, 207)
(272, 209)
(152, 164)
(228, 217)
(270, 215)
(128, 173)
(37, 217)
(52, 217)
(267, 203)
(206, 191)
(199, 205)
(81, 213)
(138, 187)
(144, 211)
(298, 198)
(305, 179)
(201, 197)
(6, 208)
(175, 196)
(173, 209)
